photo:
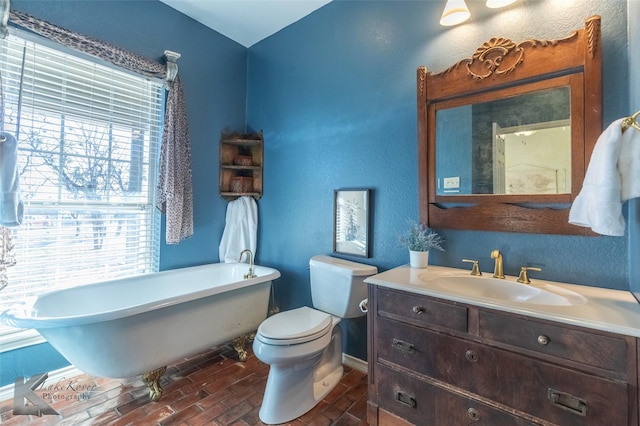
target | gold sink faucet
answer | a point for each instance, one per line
(250, 273)
(523, 277)
(498, 270)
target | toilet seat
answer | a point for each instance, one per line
(295, 326)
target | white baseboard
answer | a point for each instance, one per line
(7, 392)
(355, 363)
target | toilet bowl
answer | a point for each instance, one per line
(303, 346)
(295, 384)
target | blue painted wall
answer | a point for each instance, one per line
(335, 94)
(213, 71)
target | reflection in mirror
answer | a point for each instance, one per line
(516, 145)
(533, 159)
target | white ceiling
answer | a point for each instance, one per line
(246, 21)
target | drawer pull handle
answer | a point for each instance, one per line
(473, 414)
(568, 402)
(471, 356)
(403, 346)
(543, 340)
(406, 399)
(417, 309)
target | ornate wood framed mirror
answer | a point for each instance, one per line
(504, 137)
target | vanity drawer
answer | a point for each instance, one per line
(420, 310)
(411, 347)
(406, 397)
(424, 404)
(597, 350)
(553, 393)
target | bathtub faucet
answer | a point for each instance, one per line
(250, 273)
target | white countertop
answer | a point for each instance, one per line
(615, 311)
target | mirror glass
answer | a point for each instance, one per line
(515, 145)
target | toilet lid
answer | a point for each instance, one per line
(294, 326)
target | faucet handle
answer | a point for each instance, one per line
(475, 269)
(523, 277)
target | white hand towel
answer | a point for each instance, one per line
(241, 229)
(629, 164)
(598, 205)
(11, 208)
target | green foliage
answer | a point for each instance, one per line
(421, 238)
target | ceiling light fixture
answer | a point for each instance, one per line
(495, 4)
(455, 12)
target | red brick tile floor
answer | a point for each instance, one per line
(212, 388)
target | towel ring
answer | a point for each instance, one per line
(631, 122)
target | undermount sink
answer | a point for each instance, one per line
(504, 290)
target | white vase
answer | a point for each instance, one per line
(419, 259)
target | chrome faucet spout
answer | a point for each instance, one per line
(250, 273)
(498, 269)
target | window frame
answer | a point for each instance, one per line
(16, 338)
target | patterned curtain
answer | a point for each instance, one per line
(174, 194)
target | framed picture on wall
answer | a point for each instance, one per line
(351, 222)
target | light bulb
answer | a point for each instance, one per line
(455, 12)
(495, 4)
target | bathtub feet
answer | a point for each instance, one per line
(152, 380)
(239, 344)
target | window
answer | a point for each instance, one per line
(88, 139)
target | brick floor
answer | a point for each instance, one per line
(212, 388)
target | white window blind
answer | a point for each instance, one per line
(88, 139)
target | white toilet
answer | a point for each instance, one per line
(304, 346)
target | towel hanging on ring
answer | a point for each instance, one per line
(613, 177)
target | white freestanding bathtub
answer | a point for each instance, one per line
(126, 327)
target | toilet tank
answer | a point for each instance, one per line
(337, 285)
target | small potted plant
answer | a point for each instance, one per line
(419, 240)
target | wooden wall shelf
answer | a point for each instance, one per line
(241, 163)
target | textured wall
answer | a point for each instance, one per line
(335, 96)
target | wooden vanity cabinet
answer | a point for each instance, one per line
(437, 362)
